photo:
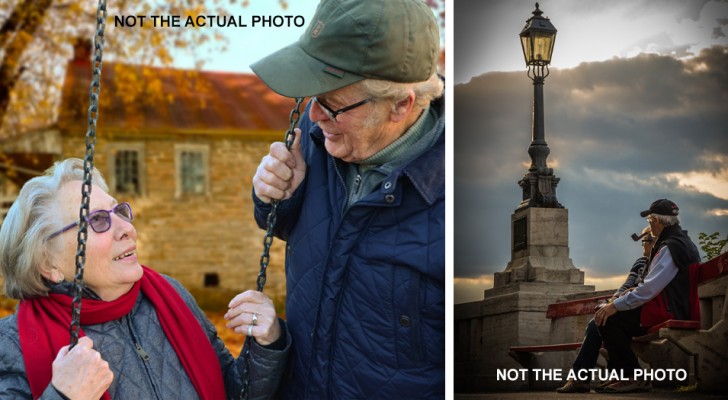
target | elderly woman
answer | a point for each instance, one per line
(142, 334)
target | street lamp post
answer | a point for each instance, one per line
(539, 183)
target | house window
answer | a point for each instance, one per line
(126, 169)
(127, 172)
(192, 172)
(192, 169)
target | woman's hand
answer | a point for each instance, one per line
(252, 312)
(81, 373)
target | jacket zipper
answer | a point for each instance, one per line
(143, 355)
(343, 184)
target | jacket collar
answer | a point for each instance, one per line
(426, 172)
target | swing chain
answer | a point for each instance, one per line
(293, 118)
(88, 166)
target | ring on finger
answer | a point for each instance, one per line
(255, 319)
(250, 330)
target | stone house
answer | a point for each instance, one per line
(182, 149)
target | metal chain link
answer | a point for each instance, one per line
(88, 166)
(293, 118)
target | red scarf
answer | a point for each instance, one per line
(44, 322)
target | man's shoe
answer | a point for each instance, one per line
(574, 386)
(646, 386)
(629, 386)
(600, 388)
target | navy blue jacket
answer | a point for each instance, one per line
(366, 285)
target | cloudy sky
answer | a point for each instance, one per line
(636, 109)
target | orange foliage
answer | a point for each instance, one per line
(233, 341)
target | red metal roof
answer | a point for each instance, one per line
(166, 100)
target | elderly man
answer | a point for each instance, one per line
(588, 354)
(362, 202)
(664, 294)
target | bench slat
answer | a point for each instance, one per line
(546, 347)
(574, 307)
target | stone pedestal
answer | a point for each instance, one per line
(513, 312)
(509, 316)
(539, 248)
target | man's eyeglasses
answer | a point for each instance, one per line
(100, 220)
(333, 114)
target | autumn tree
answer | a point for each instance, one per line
(37, 38)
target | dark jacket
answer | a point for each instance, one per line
(161, 375)
(366, 284)
(684, 253)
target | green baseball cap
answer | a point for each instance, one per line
(349, 40)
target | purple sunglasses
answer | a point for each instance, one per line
(100, 220)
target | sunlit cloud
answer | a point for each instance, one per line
(718, 212)
(605, 283)
(713, 179)
(703, 182)
(471, 289)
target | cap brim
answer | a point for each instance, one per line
(291, 72)
(645, 213)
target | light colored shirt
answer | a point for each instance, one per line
(661, 272)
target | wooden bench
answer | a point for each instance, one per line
(700, 347)
(668, 344)
(534, 357)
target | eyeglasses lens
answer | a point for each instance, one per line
(331, 114)
(100, 221)
(123, 210)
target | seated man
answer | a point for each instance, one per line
(664, 294)
(589, 351)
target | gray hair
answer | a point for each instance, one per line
(667, 220)
(425, 91)
(24, 246)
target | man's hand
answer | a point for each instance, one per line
(600, 317)
(280, 172)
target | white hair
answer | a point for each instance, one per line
(666, 220)
(425, 91)
(24, 246)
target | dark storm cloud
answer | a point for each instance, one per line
(617, 130)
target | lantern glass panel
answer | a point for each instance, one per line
(543, 45)
(526, 44)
